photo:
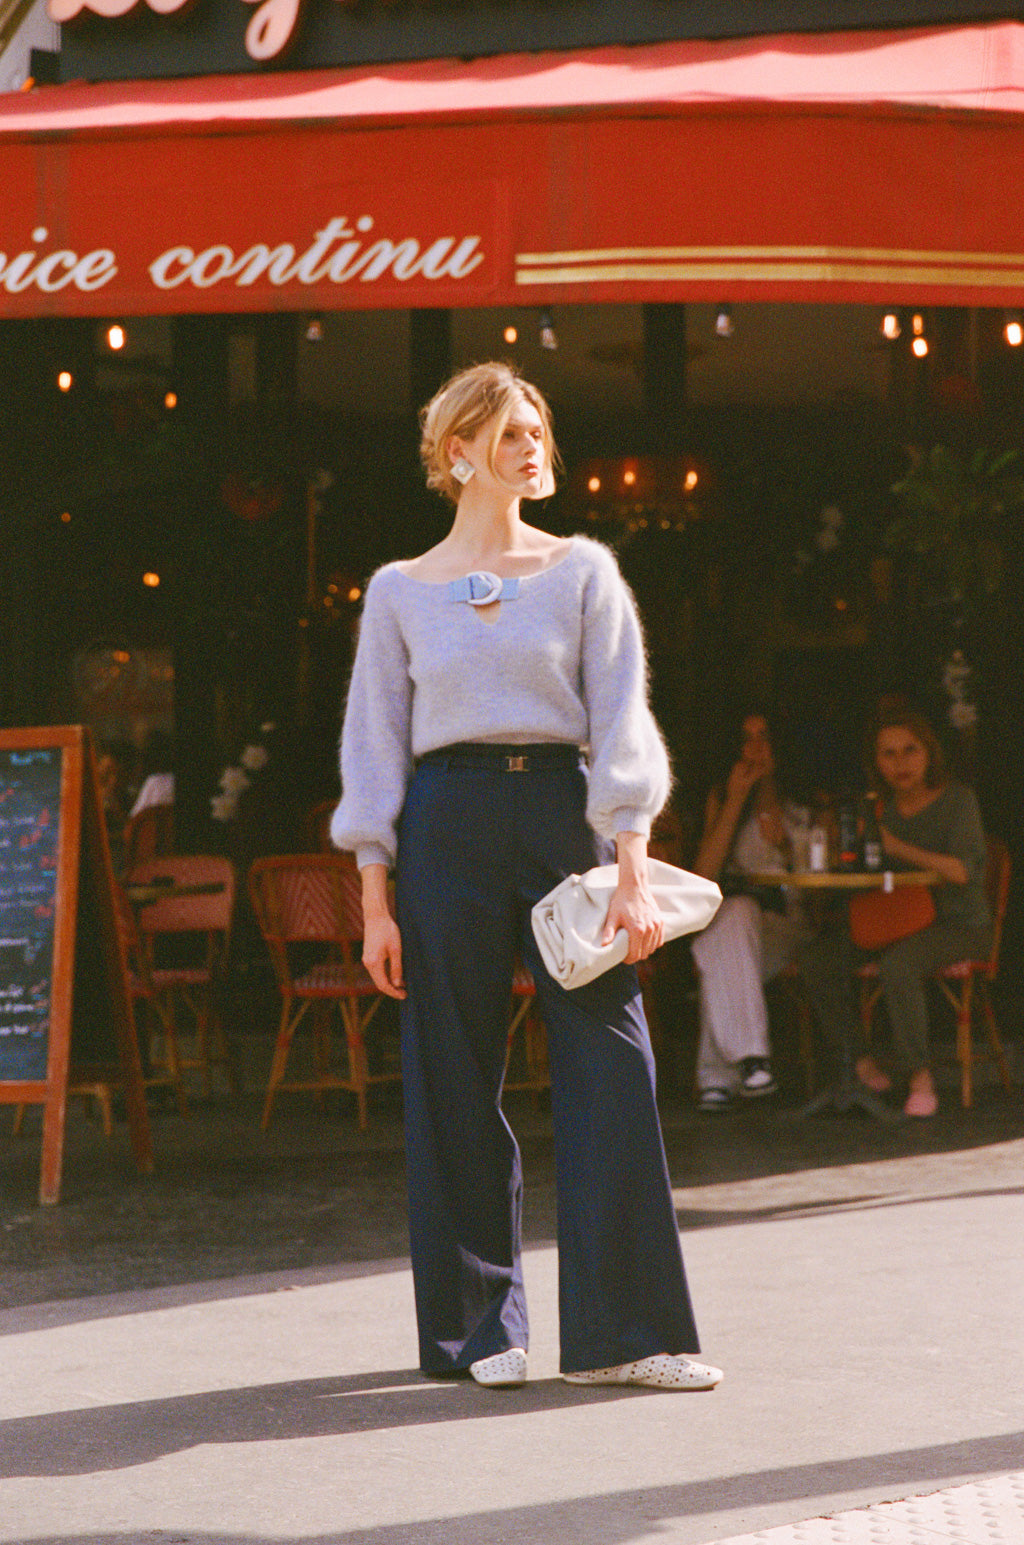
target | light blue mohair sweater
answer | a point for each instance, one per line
(564, 662)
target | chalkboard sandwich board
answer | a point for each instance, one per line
(65, 1007)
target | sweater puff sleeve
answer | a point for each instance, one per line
(630, 777)
(376, 753)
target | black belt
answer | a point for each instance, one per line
(497, 757)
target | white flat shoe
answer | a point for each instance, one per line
(661, 1371)
(506, 1370)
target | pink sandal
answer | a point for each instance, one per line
(921, 1102)
(871, 1076)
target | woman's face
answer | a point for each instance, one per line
(520, 459)
(756, 745)
(901, 759)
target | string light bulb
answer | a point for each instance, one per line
(116, 337)
(65, 381)
(510, 334)
(920, 347)
(891, 328)
(150, 579)
(917, 325)
(690, 481)
(1013, 332)
(724, 325)
(548, 340)
(170, 400)
(594, 485)
(314, 330)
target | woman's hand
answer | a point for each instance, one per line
(633, 906)
(741, 780)
(382, 955)
(382, 942)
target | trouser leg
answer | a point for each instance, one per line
(904, 969)
(464, 1171)
(713, 1071)
(733, 1018)
(742, 948)
(826, 965)
(622, 1286)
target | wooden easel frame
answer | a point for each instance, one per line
(83, 855)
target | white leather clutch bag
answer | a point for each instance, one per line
(568, 922)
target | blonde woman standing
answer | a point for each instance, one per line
(483, 668)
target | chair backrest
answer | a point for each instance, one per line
(209, 913)
(997, 886)
(132, 950)
(307, 897)
(149, 832)
(317, 832)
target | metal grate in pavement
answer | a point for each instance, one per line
(989, 1512)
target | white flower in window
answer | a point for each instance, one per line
(234, 781)
(254, 757)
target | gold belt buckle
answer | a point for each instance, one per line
(517, 764)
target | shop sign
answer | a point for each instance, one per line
(268, 34)
(341, 252)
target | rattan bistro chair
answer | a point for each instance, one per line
(530, 1070)
(148, 834)
(306, 899)
(200, 923)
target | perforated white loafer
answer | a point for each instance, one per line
(658, 1372)
(505, 1370)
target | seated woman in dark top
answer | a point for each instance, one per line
(927, 822)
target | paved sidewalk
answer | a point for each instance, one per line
(989, 1512)
(224, 1354)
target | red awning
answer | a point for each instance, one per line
(877, 167)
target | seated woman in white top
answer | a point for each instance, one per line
(746, 831)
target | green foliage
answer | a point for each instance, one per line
(954, 515)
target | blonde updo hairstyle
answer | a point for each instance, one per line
(483, 394)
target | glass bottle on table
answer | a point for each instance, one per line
(871, 836)
(798, 828)
(849, 845)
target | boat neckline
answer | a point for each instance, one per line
(442, 584)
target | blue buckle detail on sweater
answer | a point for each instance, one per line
(483, 588)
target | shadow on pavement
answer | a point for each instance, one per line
(604, 1519)
(227, 1203)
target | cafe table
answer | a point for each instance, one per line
(847, 1092)
(844, 879)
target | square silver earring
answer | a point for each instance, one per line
(462, 470)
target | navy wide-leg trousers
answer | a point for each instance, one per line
(478, 846)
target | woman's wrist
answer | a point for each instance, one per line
(375, 891)
(631, 848)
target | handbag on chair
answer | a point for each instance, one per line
(878, 918)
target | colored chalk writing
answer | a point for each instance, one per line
(30, 787)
